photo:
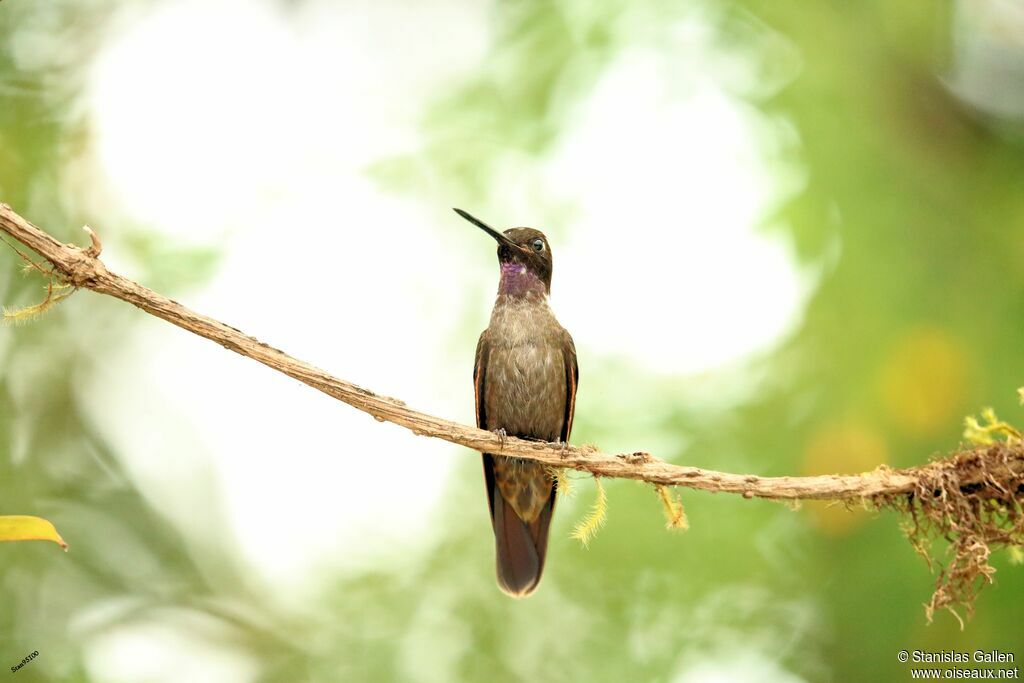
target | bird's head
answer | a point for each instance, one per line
(524, 255)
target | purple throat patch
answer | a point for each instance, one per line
(517, 280)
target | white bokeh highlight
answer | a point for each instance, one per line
(665, 264)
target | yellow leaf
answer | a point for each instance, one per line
(25, 528)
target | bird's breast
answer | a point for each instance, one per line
(526, 374)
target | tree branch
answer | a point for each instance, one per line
(81, 268)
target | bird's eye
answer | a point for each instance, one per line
(538, 244)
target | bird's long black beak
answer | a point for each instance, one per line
(501, 239)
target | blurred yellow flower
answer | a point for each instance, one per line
(923, 380)
(845, 447)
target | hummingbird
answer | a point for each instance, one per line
(525, 379)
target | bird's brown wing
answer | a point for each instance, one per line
(483, 349)
(572, 377)
(479, 373)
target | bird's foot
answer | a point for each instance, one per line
(502, 434)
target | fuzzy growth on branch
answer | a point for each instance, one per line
(972, 498)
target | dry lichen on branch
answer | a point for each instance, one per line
(974, 519)
(971, 499)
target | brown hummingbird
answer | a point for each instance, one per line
(525, 380)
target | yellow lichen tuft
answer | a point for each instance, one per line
(587, 528)
(562, 482)
(56, 291)
(24, 314)
(986, 433)
(675, 515)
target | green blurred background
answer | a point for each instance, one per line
(792, 234)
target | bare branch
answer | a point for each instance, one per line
(82, 269)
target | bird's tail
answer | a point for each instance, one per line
(520, 546)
